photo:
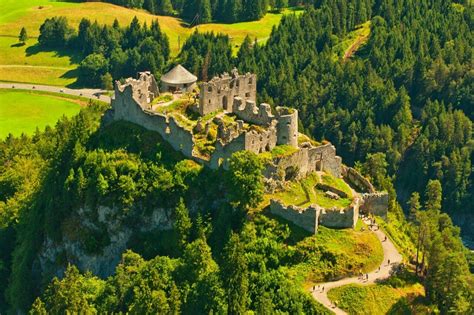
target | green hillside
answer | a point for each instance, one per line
(16, 61)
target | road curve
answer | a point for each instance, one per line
(390, 253)
(95, 94)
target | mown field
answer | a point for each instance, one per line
(22, 111)
(57, 69)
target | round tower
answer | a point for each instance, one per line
(287, 128)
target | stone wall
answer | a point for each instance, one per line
(223, 152)
(307, 159)
(339, 218)
(375, 203)
(144, 89)
(126, 107)
(305, 218)
(325, 187)
(248, 111)
(356, 180)
(311, 217)
(219, 93)
(259, 141)
(256, 141)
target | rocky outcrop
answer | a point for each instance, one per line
(53, 256)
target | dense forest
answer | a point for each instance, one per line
(212, 260)
(108, 51)
(400, 110)
(205, 11)
(406, 93)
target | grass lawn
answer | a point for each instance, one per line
(303, 193)
(23, 111)
(27, 63)
(375, 299)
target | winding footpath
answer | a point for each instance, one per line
(390, 253)
(95, 94)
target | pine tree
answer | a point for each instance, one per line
(204, 9)
(23, 35)
(414, 206)
(165, 7)
(280, 4)
(182, 223)
(235, 272)
(433, 196)
(233, 10)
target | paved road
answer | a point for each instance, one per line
(389, 253)
(88, 93)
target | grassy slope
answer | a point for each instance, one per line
(396, 295)
(352, 41)
(372, 299)
(27, 64)
(343, 252)
(26, 13)
(23, 111)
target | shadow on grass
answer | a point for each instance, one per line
(74, 74)
(75, 57)
(17, 45)
(407, 305)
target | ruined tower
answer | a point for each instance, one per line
(287, 127)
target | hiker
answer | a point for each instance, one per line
(388, 263)
(322, 290)
(367, 276)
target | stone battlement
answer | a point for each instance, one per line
(219, 92)
(144, 89)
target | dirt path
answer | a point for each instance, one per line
(389, 253)
(87, 93)
(353, 48)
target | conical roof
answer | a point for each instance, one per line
(179, 75)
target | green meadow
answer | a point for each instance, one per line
(31, 64)
(23, 111)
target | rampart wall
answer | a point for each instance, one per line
(375, 203)
(248, 111)
(311, 217)
(223, 151)
(356, 180)
(126, 107)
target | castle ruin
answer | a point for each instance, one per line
(229, 120)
